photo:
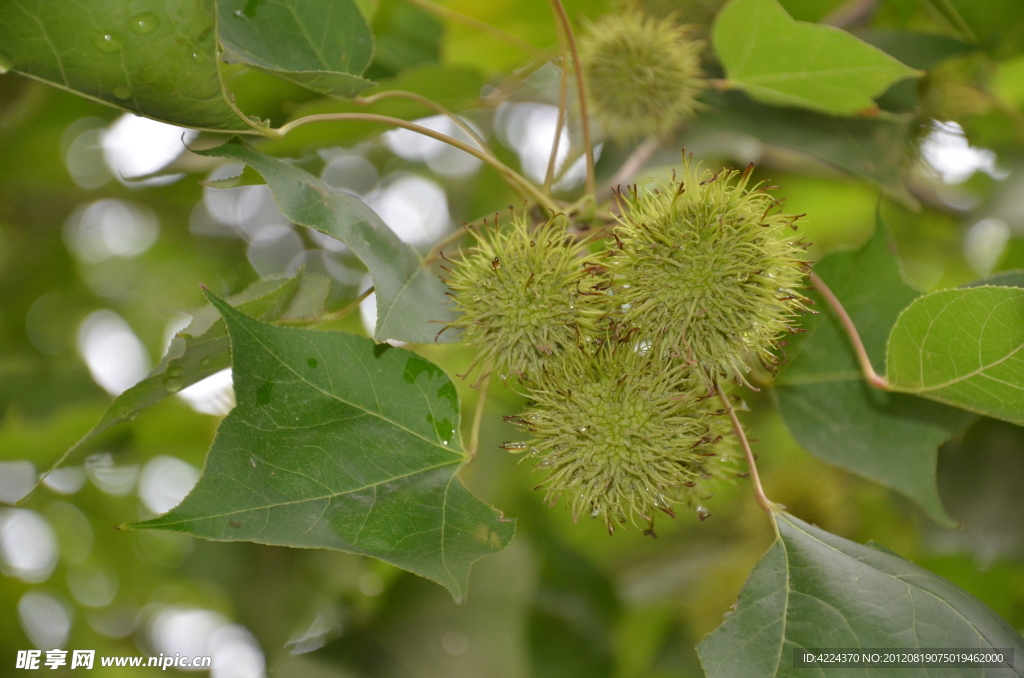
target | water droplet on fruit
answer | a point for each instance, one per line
(514, 446)
(108, 42)
(702, 513)
(144, 23)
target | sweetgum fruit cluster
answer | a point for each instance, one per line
(643, 75)
(621, 343)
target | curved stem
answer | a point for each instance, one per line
(465, 20)
(563, 103)
(432, 105)
(581, 89)
(866, 368)
(633, 164)
(759, 494)
(510, 174)
(451, 238)
(331, 317)
(478, 416)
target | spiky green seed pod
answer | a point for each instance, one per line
(623, 435)
(642, 74)
(522, 296)
(706, 272)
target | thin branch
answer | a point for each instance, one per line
(333, 316)
(563, 104)
(759, 494)
(516, 180)
(478, 416)
(633, 164)
(581, 88)
(432, 105)
(435, 252)
(465, 20)
(873, 378)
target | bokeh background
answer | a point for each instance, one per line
(98, 271)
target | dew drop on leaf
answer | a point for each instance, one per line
(108, 43)
(144, 23)
(5, 63)
(173, 384)
(121, 92)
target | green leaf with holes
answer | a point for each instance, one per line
(411, 301)
(816, 590)
(324, 45)
(891, 438)
(340, 443)
(786, 62)
(153, 58)
(963, 347)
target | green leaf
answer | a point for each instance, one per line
(411, 301)
(964, 347)
(1013, 278)
(339, 443)
(873, 149)
(572, 617)
(890, 438)
(985, 23)
(816, 590)
(792, 63)
(324, 45)
(195, 353)
(917, 50)
(154, 58)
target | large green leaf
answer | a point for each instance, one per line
(324, 45)
(337, 442)
(986, 23)
(873, 149)
(792, 63)
(155, 58)
(964, 347)
(816, 590)
(890, 438)
(411, 301)
(195, 353)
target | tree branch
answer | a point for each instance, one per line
(759, 494)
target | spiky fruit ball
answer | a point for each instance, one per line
(642, 74)
(522, 296)
(623, 435)
(707, 269)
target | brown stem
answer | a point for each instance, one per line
(563, 103)
(330, 317)
(581, 88)
(633, 164)
(432, 105)
(516, 180)
(475, 23)
(868, 370)
(759, 494)
(478, 416)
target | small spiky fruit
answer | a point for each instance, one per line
(522, 296)
(706, 272)
(622, 434)
(642, 74)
